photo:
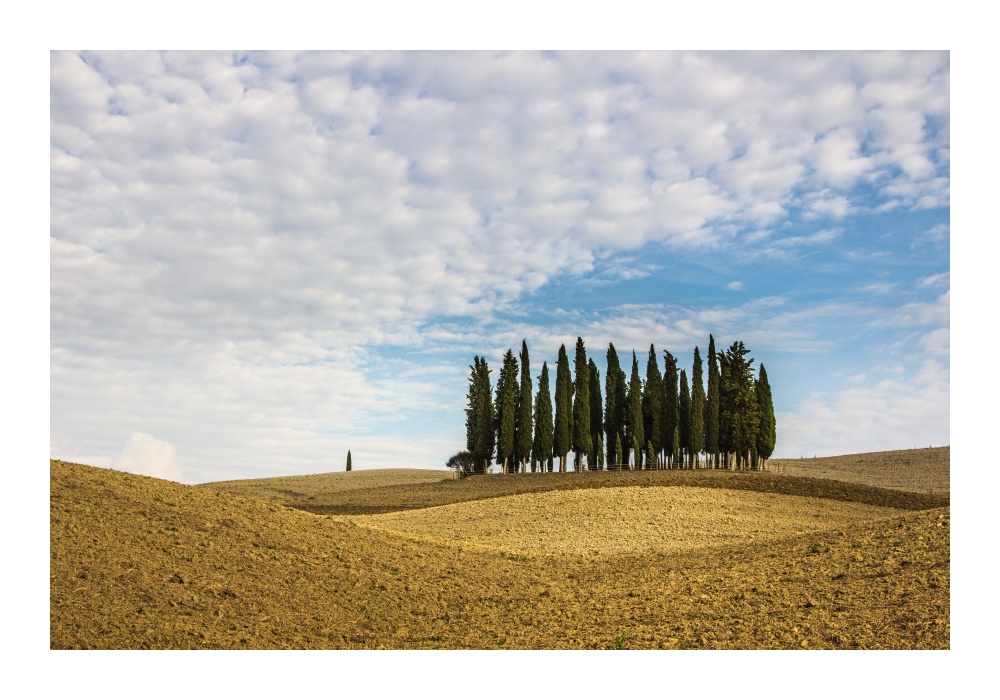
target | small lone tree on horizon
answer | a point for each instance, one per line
(348, 460)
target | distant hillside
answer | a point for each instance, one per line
(876, 479)
(926, 470)
(301, 490)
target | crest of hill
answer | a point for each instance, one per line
(926, 470)
(300, 490)
(908, 479)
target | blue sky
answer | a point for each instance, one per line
(259, 261)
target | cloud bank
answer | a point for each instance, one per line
(277, 257)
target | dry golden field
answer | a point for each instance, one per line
(655, 519)
(302, 490)
(918, 471)
(654, 560)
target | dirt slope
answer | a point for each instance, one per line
(654, 519)
(302, 490)
(142, 563)
(918, 471)
(388, 499)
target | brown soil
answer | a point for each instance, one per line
(141, 563)
(919, 471)
(302, 490)
(388, 499)
(655, 519)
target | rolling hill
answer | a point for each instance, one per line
(781, 562)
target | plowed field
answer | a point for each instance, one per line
(655, 519)
(141, 563)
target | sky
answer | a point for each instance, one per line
(259, 261)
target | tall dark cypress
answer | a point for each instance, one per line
(614, 403)
(634, 417)
(582, 439)
(684, 419)
(480, 436)
(596, 416)
(541, 449)
(697, 431)
(767, 430)
(712, 406)
(726, 446)
(652, 405)
(745, 416)
(670, 406)
(506, 403)
(563, 438)
(522, 424)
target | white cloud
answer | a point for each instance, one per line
(234, 237)
(144, 454)
(734, 286)
(935, 280)
(901, 410)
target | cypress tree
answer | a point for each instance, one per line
(522, 425)
(670, 405)
(744, 415)
(596, 417)
(479, 432)
(614, 403)
(652, 405)
(712, 406)
(562, 438)
(725, 412)
(582, 439)
(697, 434)
(634, 416)
(542, 447)
(684, 419)
(650, 455)
(767, 430)
(506, 402)
(618, 452)
(348, 460)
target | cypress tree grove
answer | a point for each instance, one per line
(348, 461)
(522, 424)
(582, 440)
(662, 422)
(634, 416)
(712, 406)
(541, 449)
(670, 405)
(596, 417)
(505, 404)
(767, 431)
(479, 433)
(652, 406)
(697, 433)
(684, 419)
(562, 438)
(614, 403)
